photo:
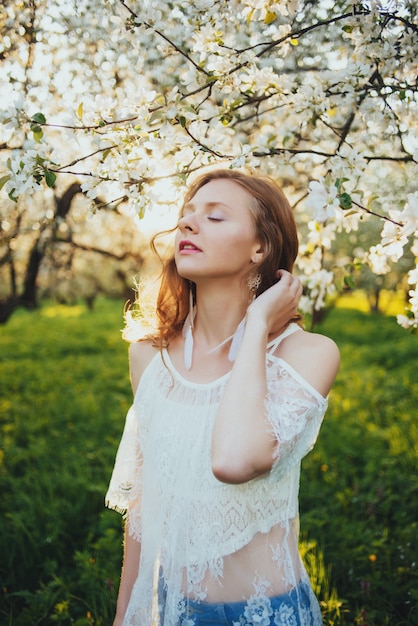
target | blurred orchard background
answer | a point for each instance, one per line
(106, 109)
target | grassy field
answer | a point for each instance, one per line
(64, 393)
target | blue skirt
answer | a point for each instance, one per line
(290, 609)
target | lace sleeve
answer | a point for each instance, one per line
(295, 412)
(124, 492)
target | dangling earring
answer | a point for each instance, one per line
(253, 283)
(187, 331)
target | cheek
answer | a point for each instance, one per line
(244, 239)
(238, 247)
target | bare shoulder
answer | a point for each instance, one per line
(140, 355)
(315, 357)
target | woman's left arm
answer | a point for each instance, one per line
(242, 443)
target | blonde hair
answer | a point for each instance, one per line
(275, 229)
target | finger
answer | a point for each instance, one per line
(297, 285)
(293, 283)
(285, 278)
(283, 274)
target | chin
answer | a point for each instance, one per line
(183, 273)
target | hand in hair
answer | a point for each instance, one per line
(277, 305)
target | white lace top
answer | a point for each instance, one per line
(204, 540)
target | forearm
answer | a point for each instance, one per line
(132, 551)
(242, 446)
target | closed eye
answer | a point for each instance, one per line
(215, 219)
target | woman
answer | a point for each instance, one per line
(224, 410)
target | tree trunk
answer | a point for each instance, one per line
(375, 300)
(7, 307)
(28, 297)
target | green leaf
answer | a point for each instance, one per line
(349, 281)
(50, 178)
(182, 121)
(345, 201)
(37, 132)
(4, 180)
(370, 201)
(339, 182)
(39, 118)
(347, 28)
(12, 196)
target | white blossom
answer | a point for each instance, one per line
(163, 89)
(378, 259)
(11, 115)
(322, 200)
(89, 187)
(320, 285)
(409, 216)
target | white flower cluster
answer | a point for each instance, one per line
(394, 237)
(321, 100)
(411, 320)
(322, 200)
(26, 171)
(11, 115)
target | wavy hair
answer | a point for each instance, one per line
(275, 228)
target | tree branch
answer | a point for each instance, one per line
(206, 148)
(88, 156)
(382, 217)
(98, 126)
(106, 253)
(293, 151)
(171, 43)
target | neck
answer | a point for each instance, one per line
(218, 316)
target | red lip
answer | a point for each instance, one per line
(186, 245)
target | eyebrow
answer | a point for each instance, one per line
(208, 205)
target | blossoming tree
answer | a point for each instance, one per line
(131, 97)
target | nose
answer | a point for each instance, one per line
(188, 223)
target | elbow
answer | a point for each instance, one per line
(241, 460)
(237, 472)
(226, 473)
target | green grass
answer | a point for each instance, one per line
(360, 484)
(64, 393)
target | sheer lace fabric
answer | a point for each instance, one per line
(204, 540)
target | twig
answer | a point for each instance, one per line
(59, 169)
(382, 217)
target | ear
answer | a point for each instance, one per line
(257, 254)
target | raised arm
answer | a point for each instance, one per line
(243, 446)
